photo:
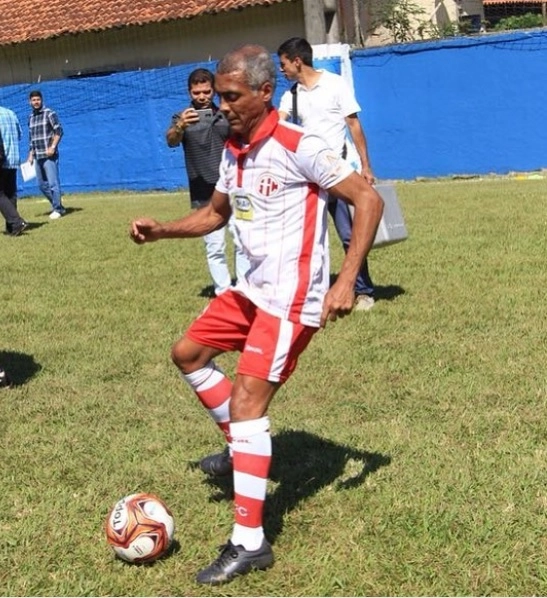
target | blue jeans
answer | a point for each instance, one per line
(47, 175)
(340, 213)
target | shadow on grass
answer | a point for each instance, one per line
(34, 225)
(68, 210)
(19, 366)
(381, 293)
(174, 547)
(208, 291)
(302, 464)
(388, 293)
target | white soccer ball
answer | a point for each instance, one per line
(140, 528)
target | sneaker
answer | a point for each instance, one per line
(220, 464)
(55, 215)
(5, 381)
(17, 230)
(363, 303)
(235, 560)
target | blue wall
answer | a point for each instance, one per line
(459, 106)
(114, 127)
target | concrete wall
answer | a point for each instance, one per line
(156, 45)
(443, 11)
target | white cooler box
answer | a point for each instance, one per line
(392, 228)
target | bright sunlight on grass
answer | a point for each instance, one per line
(409, 446)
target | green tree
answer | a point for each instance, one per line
(399, 17)
(525, 21)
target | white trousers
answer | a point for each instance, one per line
(215, 250)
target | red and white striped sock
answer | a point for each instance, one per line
(252, 454)
(214, 390)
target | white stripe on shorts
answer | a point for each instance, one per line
(282, 349)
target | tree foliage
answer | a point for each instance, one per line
(525, 21)
(399, 17)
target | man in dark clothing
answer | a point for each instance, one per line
(202, 135)
(10, 136)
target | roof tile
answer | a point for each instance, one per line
(489, 2)
(32, 20)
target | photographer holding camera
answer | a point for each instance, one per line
(202, 130)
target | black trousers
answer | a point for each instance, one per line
(8, 198)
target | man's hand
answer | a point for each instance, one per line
(366, 173)
(145, 230)
(186, 117)
(338, 302)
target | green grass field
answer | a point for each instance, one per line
(409, 446)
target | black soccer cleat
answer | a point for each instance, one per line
(234, 561)
(16, 231)
(220, 464)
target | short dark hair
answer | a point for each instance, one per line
(35, 93)
(200, 76)
(297, 47)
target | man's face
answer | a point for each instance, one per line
(201, 94)
(290, 68)
(36, 102)
(244, 107)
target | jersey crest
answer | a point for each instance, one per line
(267, 185)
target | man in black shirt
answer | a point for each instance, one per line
(202, 138)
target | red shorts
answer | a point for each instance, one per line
(269, 346)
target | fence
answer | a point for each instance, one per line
(458, 106)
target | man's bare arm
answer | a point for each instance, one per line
(368, 207)
(211, 217)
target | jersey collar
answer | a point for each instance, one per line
(265, 130)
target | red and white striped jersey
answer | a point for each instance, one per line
(276, 186)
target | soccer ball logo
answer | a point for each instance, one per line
(140, 528)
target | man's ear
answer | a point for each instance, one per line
(266, 90)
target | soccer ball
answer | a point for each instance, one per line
(140, 528)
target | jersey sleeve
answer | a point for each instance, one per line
(319, 163)
(222, 184)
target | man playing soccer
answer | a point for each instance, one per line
(275, 179)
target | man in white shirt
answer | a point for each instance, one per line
(322, 102)
(274, 179)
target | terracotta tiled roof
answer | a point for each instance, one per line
(488, 2)
(31, 20)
